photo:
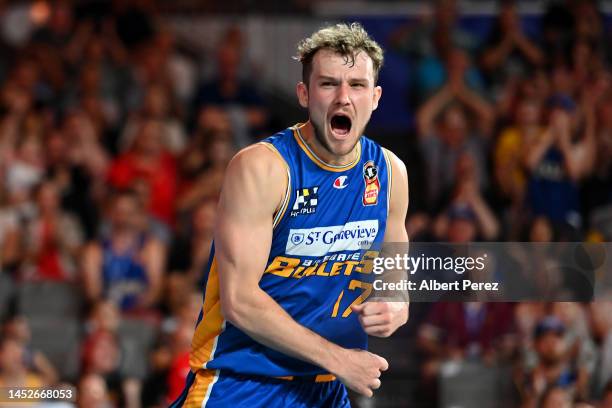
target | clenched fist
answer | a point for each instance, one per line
(360, 370)
(381, 319)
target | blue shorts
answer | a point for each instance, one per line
(215, 389)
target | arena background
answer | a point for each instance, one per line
(117, 119)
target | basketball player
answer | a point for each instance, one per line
(284, 322)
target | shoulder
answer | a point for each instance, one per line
(398, 168)
(260, 161)
(256, 181)
(398, 190)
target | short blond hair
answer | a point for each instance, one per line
(344, 39)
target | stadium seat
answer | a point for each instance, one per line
(59, 339)
(51, 299)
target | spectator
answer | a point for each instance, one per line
(13, 371)
(455, 66)
(607, 398)
(101, 357)
(597, 189)
(508, 52)
(179, 64)
(105, 353)
(556, 397)
(147, 160)
(442, 21)
(158, 106)
(207, 185)
(10, 236)
(93, 393)
(75, 179)
(556, 164)
(190, 252)
(27, 170)
(509, 172)
(468, 216)
(126, 266)
(443, 142)
(429, 42)
(554, 367)
(601, 329)
(52, 239)
(459, 332)
(179, 366)
(212, 124)
(228, 91)
(17, 328)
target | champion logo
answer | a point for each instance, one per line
(340, 183)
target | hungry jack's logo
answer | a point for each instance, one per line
(372, 185)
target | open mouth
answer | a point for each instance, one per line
(340, 124)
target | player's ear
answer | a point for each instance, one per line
(377, 95)
(302, 94)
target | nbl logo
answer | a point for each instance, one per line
(372, 185)
(370, 172)
(306, 201)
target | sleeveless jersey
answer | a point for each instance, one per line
(329, 218)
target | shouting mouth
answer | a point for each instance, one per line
(340, 124)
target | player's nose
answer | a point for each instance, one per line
(342, 94)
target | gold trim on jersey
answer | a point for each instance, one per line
(318, 161)
(389, 176)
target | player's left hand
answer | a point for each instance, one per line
(381, 319)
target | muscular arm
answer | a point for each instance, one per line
(254, 185)
(382, 318)
(398, 205)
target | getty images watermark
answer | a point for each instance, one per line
(492, 271)
(411, 265)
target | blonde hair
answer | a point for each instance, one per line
(346, 40)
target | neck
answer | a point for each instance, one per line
(322, 152)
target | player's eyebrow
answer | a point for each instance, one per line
(334, 79)
(359, 81)
(327, 78)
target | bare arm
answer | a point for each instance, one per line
(483, 110)
(155, 260)
(254, 184)
(383, 318)
(531, 51)
(583, 155)
(430, 110)
(92, 272)
(494, 57)
(45, 368)
(10, 248)
(534, 150)
(398, 206)
(487, 222)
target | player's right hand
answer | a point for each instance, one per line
(360, 371)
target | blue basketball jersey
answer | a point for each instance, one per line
(329, 218)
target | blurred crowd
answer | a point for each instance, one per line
(112, 153)
(515, 139)
(113, 146)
